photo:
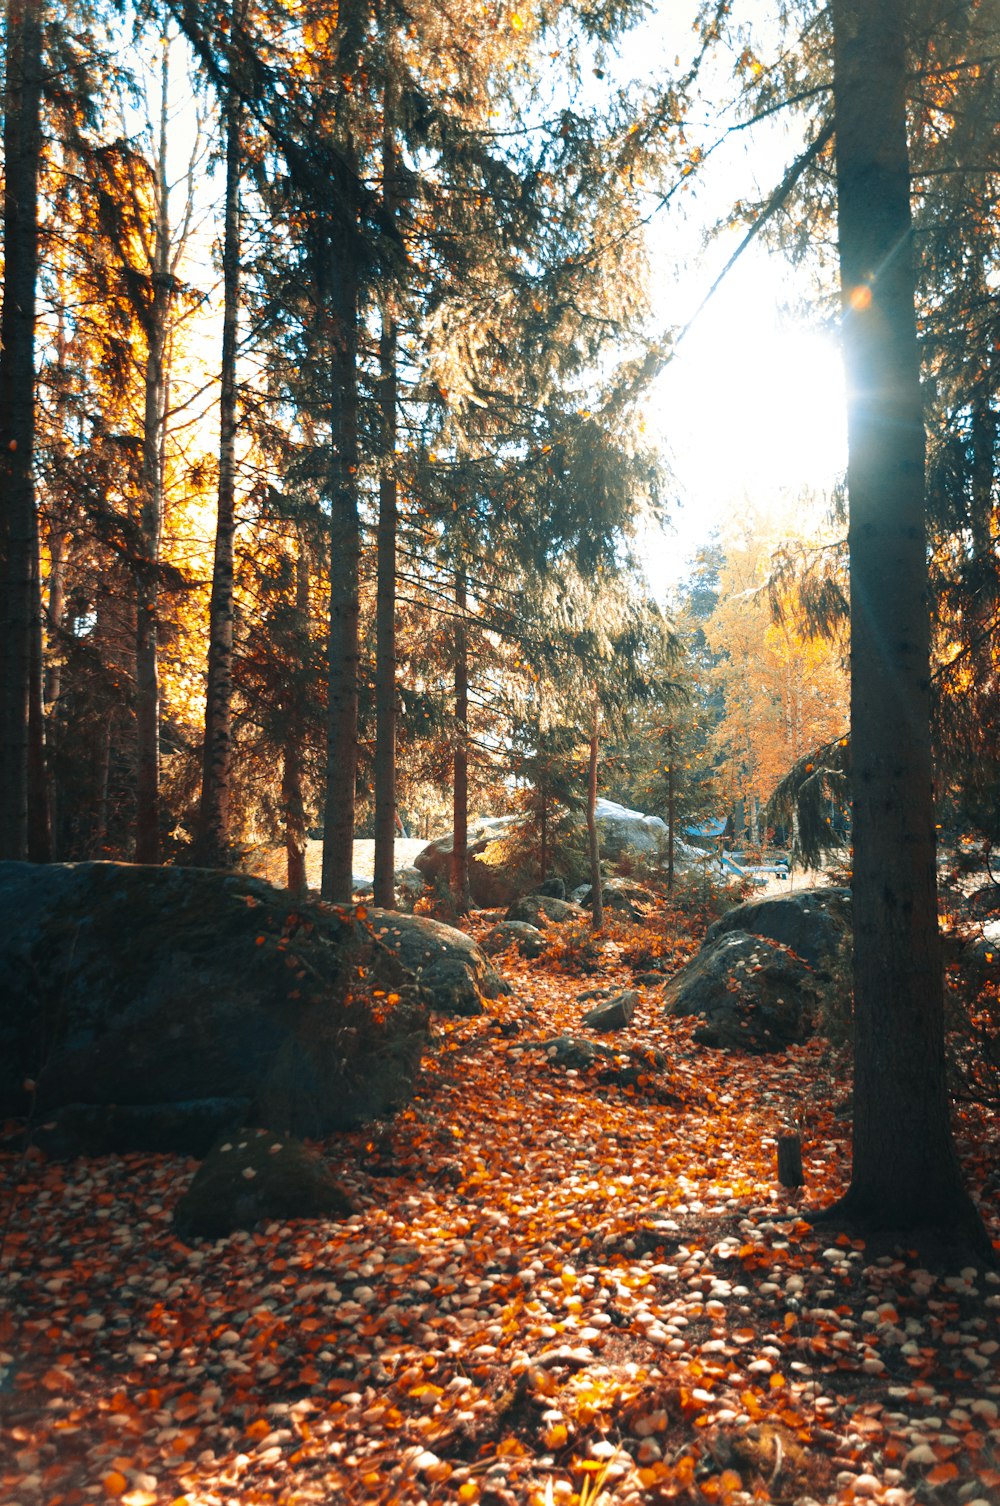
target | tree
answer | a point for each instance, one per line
(20, 671)
(905, 1172)
(212, 839)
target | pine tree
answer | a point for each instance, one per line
(21, 772)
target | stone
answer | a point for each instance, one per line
(540, 909)
(489, 882)
(551, 888)
(188, 1127)
(255, 1175)
(814, 923)
(615, 895)
(755, 995)
(167, 994)
(613, 1014)
(621, 830)
(429, 953)
(526, 939)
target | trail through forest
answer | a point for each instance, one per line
(556, 1288)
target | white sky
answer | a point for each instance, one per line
(751, 410)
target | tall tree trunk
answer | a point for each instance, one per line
(671, 811)
(905, 1173)
(385, 606)
(292, 798)
(147, 677)
(543, 814)
(338, 292)
(39, 829)
(20, 682)
(212, 842)
(593, 835)
(460, 787)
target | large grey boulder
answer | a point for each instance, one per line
(621, 829)
(754, 995)
(814, 923)
(194, 996)
(489, 882)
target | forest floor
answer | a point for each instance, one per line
(555, 1291)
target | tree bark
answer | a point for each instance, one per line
(147, 676)
(671, 812)
(596, 892)
(292, 798)
(905, 1173)
(460, 790)
(20, 672)
(385, 605)
(338, 300)
(213, 839)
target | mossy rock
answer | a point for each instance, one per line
(136, 986)
(256, 1175)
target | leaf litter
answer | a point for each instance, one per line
(564, 1284)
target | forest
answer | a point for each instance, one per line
(498, 1003)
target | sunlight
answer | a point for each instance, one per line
(751, 411)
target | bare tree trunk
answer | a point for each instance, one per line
(338, 298)
(543, 819)
(292, 799)
(905, 1173)
(20, 682)
(212, 842)
(460, 792)
(39, 833)
(594, 837)
(671, 811)
(385, 607)
(147, 678)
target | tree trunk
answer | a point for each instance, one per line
(596, 893)
(147, 678)
(20, 684)
(212, 842)
(905, 1174)
(460, 806)
(671, 812)
(338, 305)
(543, 819)
(292, 799)
(385, 606)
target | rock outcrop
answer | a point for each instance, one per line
(150, 1006)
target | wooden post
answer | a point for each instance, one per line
(790, 1159)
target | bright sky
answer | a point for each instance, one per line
(750, 413)
(751, 410)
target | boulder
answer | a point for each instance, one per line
(621, 829)
(189, 1127)
(552, 888)
(159, 1002)
(754, 995)
(489, 882)
(814, 923)
(540, 909)
(433, 956)
(410, 886)
(255, 1175)
(615, 895)
(527, 939)
(614, 1013)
